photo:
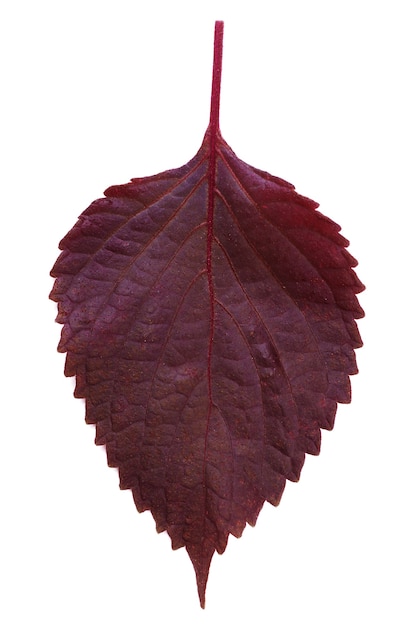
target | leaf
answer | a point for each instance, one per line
(209, 318)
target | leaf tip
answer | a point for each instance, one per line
(201, 556)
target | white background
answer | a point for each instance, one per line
(321, 93)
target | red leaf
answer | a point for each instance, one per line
(209, 318)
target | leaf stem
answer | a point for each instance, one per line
(217, 76)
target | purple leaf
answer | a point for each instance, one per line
(209, 318)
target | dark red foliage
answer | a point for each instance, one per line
(209, 318)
